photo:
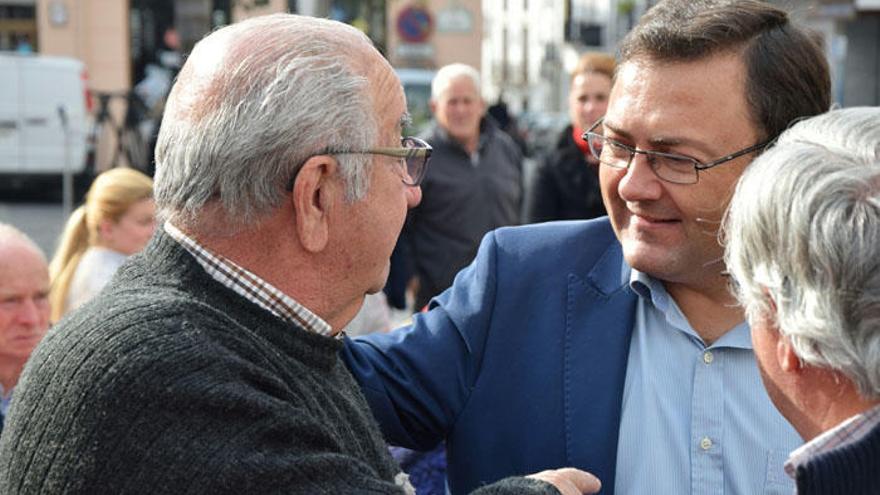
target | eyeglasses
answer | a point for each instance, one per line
(414, 151)
(670, 167)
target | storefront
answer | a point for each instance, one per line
(18, 26)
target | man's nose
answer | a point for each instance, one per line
(639, 182)
(28, 313)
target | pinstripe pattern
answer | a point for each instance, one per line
(250, 286)
(696, 419)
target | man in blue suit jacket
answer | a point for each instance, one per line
(614, 345)
(504, 344)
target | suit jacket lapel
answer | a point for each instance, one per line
(599, 321)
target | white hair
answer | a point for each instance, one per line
(10, 234)
(803, 230)
(449, 73)
(254, 101)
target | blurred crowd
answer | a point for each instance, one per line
(478, 183)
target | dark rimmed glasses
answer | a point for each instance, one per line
(414, 152)
(670, 167)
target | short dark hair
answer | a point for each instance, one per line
(787, 72)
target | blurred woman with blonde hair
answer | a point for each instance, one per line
(566, 184)
(116, 221)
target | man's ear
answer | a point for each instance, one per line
(786, 357)
(316, 190)
(432, 104)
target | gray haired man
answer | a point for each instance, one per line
(210, 364)
(474, 186)
(803, 243)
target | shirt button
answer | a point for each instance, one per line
(706, 443)
(708, 357)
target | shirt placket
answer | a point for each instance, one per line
(707, 408)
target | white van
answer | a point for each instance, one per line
(44, 115)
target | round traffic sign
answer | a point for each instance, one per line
(414, 24)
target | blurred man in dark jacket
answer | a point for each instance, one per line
(473, 186)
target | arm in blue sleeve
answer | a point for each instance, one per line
(417, 379)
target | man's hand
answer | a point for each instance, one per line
(570, 481)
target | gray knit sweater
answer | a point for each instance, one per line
(170, 383)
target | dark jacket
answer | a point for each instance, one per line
(461, 202)
(853, 469)
(565, 186)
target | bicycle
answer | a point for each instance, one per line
(126, 138)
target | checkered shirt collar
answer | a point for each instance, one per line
(851, 430)
(250, 286)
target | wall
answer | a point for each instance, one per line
(861, 85)
(94, 31)
(456, 35)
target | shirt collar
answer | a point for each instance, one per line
(5, 400)
(652, 291)
(250, 286)
(850, 431)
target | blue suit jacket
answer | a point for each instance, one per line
(520, 365)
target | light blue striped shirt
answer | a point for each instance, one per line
(696, 419)
(5, 401)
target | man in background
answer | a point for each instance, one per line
(803, 245)
(566, 184)
(24, 307)
(474, 184)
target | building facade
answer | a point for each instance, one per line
(525, 49)
(531, 46)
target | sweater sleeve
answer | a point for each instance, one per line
(517, 485)
(240, 426)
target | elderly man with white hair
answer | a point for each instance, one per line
(803, 246)
(210, 364)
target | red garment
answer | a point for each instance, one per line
(576, 133)
(576, 136)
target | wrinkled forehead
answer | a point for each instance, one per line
(385, 88)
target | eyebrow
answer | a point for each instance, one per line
(405, 120)
(662, 140)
